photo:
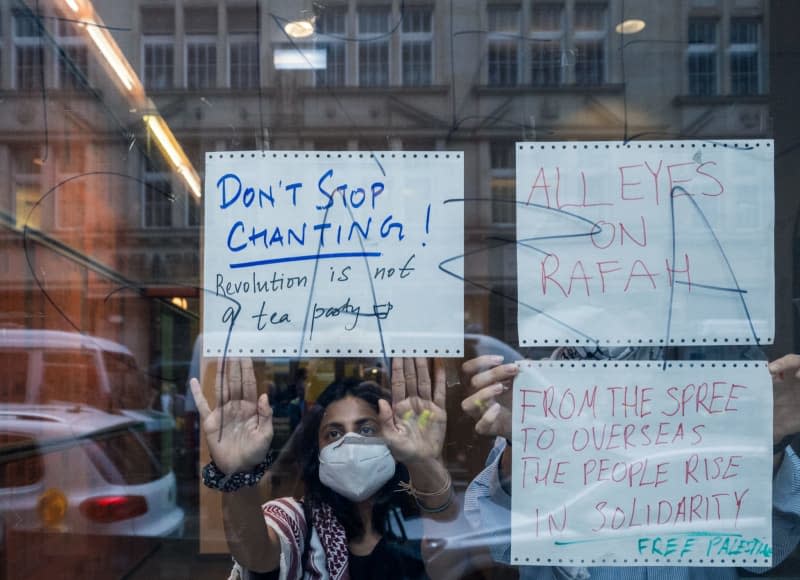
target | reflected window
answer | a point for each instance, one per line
(123, 458)
(201, 62)
(157, 202)
(702, 57)
(243, 55)
(417, 46)
(70, 376)
(158, 48)
(373, 46)
(502, 184)
(73, 57)
(24, 466)
(129, 388)
(28, 52)
(331, 31)
(243, 58)
(547, 36)
(590, 41)
(27, 186)
(14, 378)
(504, 41)
(744, 56)
(71, 207)
(201, 48)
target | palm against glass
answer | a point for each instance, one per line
(414, 426)
(239, 431)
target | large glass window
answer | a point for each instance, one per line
(578, 218)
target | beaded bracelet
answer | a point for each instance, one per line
(214, 478)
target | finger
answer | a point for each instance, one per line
(398, 381)
(264, 415)
(385, 416)
(423, 378)
(477, 404)
(235, 378)
(220, 382)
(503, 373)
(264, 409)
(249, 387)
(439, 384)
(411, 377)
(479, 364)
(199, 399)
(489, 423)
(786, 365)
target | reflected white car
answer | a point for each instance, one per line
(78, 470)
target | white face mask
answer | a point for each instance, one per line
(356, 466)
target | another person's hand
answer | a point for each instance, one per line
(785, 373)
(414, 425)
(239, 430)
(490, 386)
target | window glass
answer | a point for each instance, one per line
(546, 249)
(330, 37)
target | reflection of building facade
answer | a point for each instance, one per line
(471, 76)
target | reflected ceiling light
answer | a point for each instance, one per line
(630, 26)
(73, 5)
(300, 28)
(110, 51)
(174, 153)
(180, 302)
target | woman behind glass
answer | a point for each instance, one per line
(349, 444)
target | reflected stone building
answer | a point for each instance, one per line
(373, 75)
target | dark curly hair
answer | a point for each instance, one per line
(306, 451)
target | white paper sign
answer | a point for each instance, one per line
(332, 253)
(626, 464)
(645, 243)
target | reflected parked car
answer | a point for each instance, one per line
(52, 366)
(79, 470)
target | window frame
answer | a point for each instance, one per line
(330, 38)
(703, 49)
(33, 43)
(535, 37)
(379, 39)
(157, 40)
(200, 40)
(418, 38)
(754, 48)
(239, 39)
(503, 38)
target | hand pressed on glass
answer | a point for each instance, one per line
(239, 430)
(490, 385)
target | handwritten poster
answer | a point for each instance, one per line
(645, 243)
(321, 253)
(622, 463)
